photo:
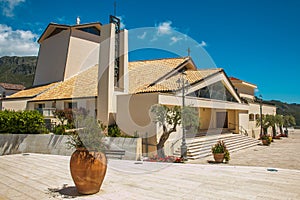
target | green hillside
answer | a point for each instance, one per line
(18, 70)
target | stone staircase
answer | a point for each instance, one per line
(200, 147)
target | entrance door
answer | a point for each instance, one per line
(222, 120)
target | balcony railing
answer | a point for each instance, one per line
(46, 112)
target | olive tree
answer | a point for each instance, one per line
(169, 118)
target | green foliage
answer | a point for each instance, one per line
(220, 147)
(24, 122)
(88, 135)
(114, 131)
(67, 118)
(267, 137)
(288, 121)
(169, 117)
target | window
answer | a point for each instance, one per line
(214, 91)
(71, 105)
(251, 117)
(41, 105)
(257, 116)
(92, 30)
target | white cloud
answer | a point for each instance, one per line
(142, 36)
(8, 6)
(203, 44)
(17, 42)
(164, 28)
(175, 39)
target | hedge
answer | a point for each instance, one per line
(15, 122)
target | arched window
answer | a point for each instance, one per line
(251, 117)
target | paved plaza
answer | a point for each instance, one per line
(38, 176)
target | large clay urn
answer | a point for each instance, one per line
(219, 157)
(88, 169)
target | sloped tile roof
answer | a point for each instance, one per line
(79, 86)
(10, 86)
(142, 75)
(172, 84)
(31, 92)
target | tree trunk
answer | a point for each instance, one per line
(274, 131)
(281, 129)
(162, 140)
(265, 130)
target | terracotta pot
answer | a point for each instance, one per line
(88, 170)
(219, 157)
(265, 142)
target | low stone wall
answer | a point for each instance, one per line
(56, 144)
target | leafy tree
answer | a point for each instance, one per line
(169, 118)
(264, 123)
(288, 121)
(279, 122)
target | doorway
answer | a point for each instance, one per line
(222, 120)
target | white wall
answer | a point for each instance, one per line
(16, 105)
(82, 54)
(52, 59)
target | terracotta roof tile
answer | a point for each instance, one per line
(31, 92)
(171, 84)
(81, 85)
(143, 73)
(10, 86)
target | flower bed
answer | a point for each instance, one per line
(169, 159)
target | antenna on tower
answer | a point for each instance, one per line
(189, 51)
(115, 8)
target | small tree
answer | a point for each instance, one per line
(169, 118)
(279, 122)
(264, 123)
(288, 121)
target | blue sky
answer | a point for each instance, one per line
(254, 40)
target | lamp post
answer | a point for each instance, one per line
(260, 107)
(181, 81)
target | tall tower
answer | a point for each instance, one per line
(66, 50)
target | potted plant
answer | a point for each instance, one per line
(88, 162)
(220, 152)
(266, 140)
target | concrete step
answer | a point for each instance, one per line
(201, 147)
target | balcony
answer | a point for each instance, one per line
(46, 112)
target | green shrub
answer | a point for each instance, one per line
(114, 131)
(30, 122)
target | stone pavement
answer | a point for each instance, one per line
(40, 176)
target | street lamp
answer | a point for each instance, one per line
(182, 83)
(260, 107)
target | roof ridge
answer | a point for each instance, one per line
(183, 57)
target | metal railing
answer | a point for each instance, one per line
(46, 112)
(242, 130)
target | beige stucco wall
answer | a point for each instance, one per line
(242, 88)
(254, 108)
(82, 54)
(14, 104)
(52, 59)
(205, 117)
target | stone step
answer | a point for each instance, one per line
(201, 147)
